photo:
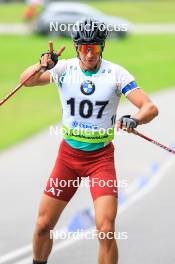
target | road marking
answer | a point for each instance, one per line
(16, 253)
(154, 181)
(57, 247)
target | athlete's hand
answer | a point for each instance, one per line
(50, 58)
(127, 123)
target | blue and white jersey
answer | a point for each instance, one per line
(90, 99)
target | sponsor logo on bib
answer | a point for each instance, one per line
(84, 125)
(87, 87)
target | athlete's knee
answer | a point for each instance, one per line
(43, 226)
(105, 229)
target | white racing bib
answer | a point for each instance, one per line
(90, 100)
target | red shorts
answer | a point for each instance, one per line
(73, 164)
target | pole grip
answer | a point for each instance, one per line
(51, 46)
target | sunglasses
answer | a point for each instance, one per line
(90, 48)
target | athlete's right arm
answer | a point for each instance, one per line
(48, 61)
(40, 78)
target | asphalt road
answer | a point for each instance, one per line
(25, 168)
(150, 225)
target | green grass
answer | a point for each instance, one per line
(149, 58)
(138, 12)
(13, 13)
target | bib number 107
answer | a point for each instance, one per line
(86, 107)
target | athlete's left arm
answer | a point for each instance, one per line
(147, 110)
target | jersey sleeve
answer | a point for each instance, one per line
(125, 81)
(58, 70)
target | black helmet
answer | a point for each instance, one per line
(89, 31)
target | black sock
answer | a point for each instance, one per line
(39, 262)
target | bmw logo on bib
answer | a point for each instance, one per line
(87, 87)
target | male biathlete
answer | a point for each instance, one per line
(90, 88)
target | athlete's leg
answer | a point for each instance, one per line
(53, 202)
(49, 213)
(105, 213)
(103, 186)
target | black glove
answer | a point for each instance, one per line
(52, 63)
(128, 121)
